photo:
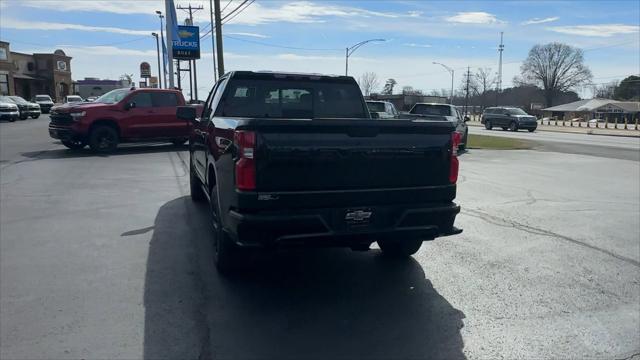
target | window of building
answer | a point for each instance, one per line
(4, 84)
(3, 53)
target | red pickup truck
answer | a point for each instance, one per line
(121, 115)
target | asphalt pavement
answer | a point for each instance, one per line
(107, 257)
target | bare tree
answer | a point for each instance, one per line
(555, 67)
(388, 87)
(605, 91)
(368, 82)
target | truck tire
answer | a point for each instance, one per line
(35, 116)
(532, 130)
(12, 119)
(195, 185)
(103, 139)
(74, 144)
(226, 254)
(179, 142)
(487, 125)
(399, 248)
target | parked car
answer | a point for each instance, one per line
(121, 115)
(73, 99)
(91, 98)
(443, 111)
(45, 102)
(385, 109)
(8, 109)
(296, 160)
(508, 118)
(26, 108)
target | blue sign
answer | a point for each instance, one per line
(187, 45)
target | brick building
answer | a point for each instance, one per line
(27, 75)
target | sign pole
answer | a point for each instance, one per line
(170, 11)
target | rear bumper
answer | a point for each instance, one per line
(332, 226)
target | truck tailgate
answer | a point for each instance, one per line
(343, 154)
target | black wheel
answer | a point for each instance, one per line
(226, 254)
(463, 145)
(73, 144)
(532, 130)
(399, 248)
(24, 117)
(179, 142)
(35, 116)
(103, 139)
(505, 128)
(513, 126)
(12, 119)
(487, 125)
(197, 194)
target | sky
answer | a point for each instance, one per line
(107, 38)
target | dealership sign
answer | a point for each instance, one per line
(187, 46)
(145, 70)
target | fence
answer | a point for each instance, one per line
(626, 123)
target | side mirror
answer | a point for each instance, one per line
(374, 115)
(129, 105)
(187, 113)
(466, 118)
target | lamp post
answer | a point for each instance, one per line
(349, 51)
(164, 64)
(155, 35)
(450, 70)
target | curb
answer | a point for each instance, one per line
(590, 132)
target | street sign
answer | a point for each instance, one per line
(145, 70)
(187, 47)
(153, 82)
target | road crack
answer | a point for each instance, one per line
(502, 222)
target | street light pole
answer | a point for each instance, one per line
(450, 70)
(350, 50)
(164, 61)
(155, 35)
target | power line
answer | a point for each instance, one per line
(281, 46)
(230, 1)
(237, 13)
(105, 44)
(234, 10)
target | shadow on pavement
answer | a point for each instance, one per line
(125, 149)
(322, 304)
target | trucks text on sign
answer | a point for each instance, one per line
(187, 46)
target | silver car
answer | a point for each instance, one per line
(8, 109)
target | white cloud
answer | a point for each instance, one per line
(417, 45)
(601, 30)
(255, 35)
(257, 13)
(474, 17)
(72, 50)
(46, 26)
(540, 21)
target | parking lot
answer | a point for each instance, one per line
(107, 257)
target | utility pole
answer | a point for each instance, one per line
(164, 61)
(466, 99)
(213, 43)
(193, 83)
(155, 35)
(500, 50)
(218, 29)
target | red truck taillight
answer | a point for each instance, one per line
(455, 164)
(246, 163)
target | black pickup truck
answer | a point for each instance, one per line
(296, 160)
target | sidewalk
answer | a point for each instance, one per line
(579, 130)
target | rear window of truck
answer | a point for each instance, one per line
(267, 98)
(424, 109)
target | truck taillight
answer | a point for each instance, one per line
(245, 142)
(455, 164)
